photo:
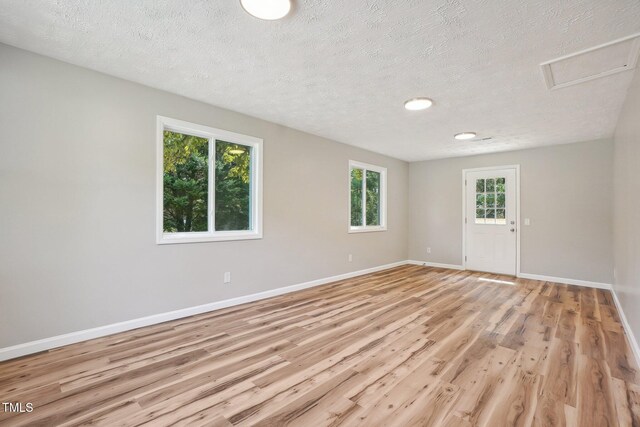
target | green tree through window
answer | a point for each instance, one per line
(373, 198)
(356, 197)
(186, 184)
(233, 189)
(367, 188)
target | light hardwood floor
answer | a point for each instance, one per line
(406, 346)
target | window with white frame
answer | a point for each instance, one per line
(209, 184)
(368, 197)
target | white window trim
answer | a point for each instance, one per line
(162, 238)
(383, 198)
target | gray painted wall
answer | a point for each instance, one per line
(565, 191)
(77, 223)
(627, 207)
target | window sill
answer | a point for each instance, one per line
(366, 229)
(221, 236)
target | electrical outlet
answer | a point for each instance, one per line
(350, 257)
(428, 250)
(227, 277)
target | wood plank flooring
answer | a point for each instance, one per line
(406, 346)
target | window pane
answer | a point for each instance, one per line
(491, 200)
(356, 197)
(479, 185)
(491, 215)
(500, 185)
(500, 200)
(490, 185)
(233, 187)
(185, 182)
(479, 200)
(480, 213)
(373, 198)
(500, 216)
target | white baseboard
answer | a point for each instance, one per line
(436, 264)
(627, 328)
(563, 280)
(101, 331)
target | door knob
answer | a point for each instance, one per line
(513, 230)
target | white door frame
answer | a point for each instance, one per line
(464, 212)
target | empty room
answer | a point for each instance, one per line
(319, 213)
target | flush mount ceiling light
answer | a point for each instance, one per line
(465, 135)
(417, 104)
(267, 9)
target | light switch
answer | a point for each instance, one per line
(527, 221)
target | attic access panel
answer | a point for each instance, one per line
(599, 61)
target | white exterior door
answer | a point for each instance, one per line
(491, 220)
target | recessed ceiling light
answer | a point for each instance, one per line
(416, 104)
(267, 9)
(465, 135)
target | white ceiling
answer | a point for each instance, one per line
(342, 69)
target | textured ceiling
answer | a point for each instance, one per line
(342, 69)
